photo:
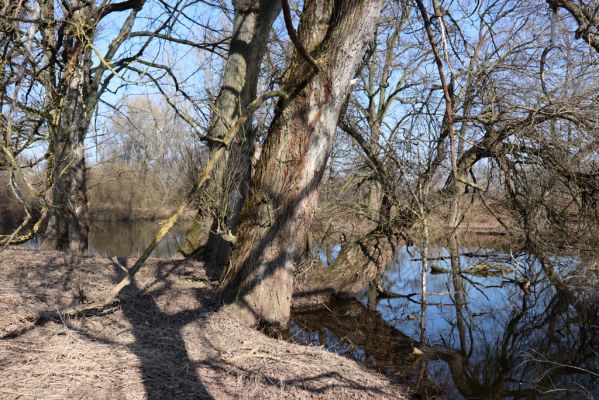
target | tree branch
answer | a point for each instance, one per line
(293, 36)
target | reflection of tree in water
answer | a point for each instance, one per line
(530, 357)
(123, 238)
(496, 342)
(350, 329)
(130, 238)
(545, 343)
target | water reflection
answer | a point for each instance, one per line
(128, 238)
(487, 337)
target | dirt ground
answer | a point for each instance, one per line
(164, 340)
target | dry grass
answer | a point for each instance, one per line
(165, 340)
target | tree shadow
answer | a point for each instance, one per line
(166, 368)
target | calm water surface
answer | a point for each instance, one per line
(483, 336)
(128, 238)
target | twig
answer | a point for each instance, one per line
(448, 102)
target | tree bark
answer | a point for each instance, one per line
(68, 219)
(72, 88)
(252, 25)
(586, 18)
(284, 191)
(68, 224)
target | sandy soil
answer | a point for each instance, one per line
(164, 340)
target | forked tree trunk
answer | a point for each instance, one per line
(284, 191)
(252, 25)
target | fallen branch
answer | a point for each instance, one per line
(385, 294)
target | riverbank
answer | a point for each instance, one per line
(165, 339)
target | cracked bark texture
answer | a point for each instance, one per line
(283, 193)
(68, 218)
(251, 27)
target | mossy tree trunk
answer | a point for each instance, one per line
(68, 227)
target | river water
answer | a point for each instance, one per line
(483, 336)
(126, 238)
(477, 336)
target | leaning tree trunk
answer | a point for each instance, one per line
(283, 194)
(252, 24)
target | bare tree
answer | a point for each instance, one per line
(66, 76)
(586, 14)
(283, 193)
(58, 64)
(251, 27)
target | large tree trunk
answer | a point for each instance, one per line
(284, 191)
(68, 227)
(252, 24)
